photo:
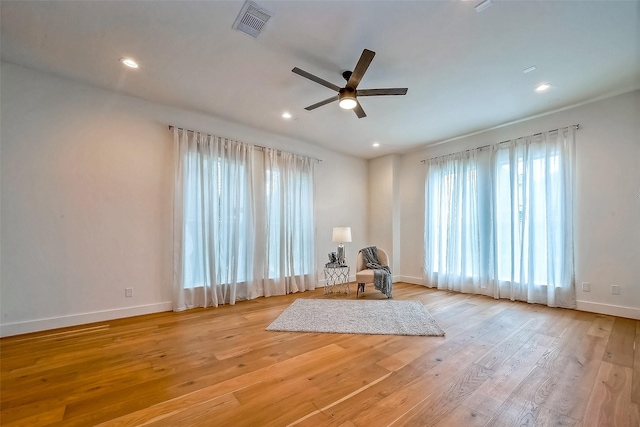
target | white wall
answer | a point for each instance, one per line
(86, 199)
(380, 199)
(86, 179)
(607, 198)
(384, 207)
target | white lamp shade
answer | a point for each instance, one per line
(341, 234)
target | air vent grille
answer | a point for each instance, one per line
(252, 19)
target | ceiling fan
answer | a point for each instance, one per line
(348, 95)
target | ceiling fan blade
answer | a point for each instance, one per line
(321, 103)
(359, 111)
(361, 68)
(378, 92)
(316, 79)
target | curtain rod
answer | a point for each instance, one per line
(576, 126)
(260, 147)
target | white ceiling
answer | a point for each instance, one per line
(463, 68)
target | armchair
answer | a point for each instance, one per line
(365, 275)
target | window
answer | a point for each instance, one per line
(289, 208)
(500, 222)
(242, 228)
(214, 210)
(455, 213)
(526, 213)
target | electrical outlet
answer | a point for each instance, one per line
(128, 292)
(615, 290)
(586, 287)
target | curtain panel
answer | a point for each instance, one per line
(233, 216)
(456, 246)
(499, 222)
(289, 237)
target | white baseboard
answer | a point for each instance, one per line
(592, 307)
(18, 328)
(408, 279)
(612, 310)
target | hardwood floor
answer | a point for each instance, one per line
(501, 363)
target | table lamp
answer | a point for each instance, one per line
(341, 235)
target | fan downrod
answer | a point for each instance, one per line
(346, 75)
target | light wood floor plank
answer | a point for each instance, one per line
(500, 363)
(620, 349)
(577, 378)
(442, 402)
(477, 415)
(634, 416)
(508, 376)
(526, 402)
(548, 418)
(635, 384)
(610, 402)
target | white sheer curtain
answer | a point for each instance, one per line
(500, 222)
(533, 218)
(243, 228)
(289, 237)
(213, 221)
(456, 233)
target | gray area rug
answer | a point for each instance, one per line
(379, 317)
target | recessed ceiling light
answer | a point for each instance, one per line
(530, 69)
(542, 87)
(286, 115)
(376, 144)
(129, 62)
(482, 6)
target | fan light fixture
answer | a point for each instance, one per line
(348, 103)
(346, 96)
(348, 99)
